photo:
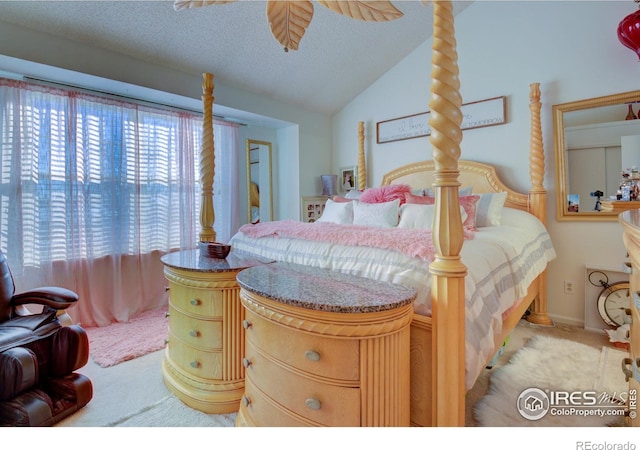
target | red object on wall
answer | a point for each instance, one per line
(629, 32)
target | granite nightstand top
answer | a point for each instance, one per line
(323, 290)
(192, 260)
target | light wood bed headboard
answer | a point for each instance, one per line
(481, 177)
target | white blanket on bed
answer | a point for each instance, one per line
(501, 261)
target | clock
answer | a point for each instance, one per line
(614, 300)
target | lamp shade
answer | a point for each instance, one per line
(629, 32)
(329, 185)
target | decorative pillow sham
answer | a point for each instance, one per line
(467, 202)
(489, 209)
(414, 215)
(337, 212)
(353, 194)
(385, 194)
(383, 215)
(463, 191)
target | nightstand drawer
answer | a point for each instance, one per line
(202, 334)
(325, 403)
(204, 364)
(322, 356)
(260, 409)
(196, 301)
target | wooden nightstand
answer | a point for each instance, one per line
(324, 349)
(202, 364)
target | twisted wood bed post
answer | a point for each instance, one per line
(362, 168)
(207, 162)
(448, 271)
(537, 198)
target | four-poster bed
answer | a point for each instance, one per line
(439, 379)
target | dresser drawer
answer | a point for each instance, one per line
(204, 364)
(203, 334)
(325, 403)
(322, 356)
(196, 301)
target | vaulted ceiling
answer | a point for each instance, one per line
(337, 59)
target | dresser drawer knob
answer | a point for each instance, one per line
(167, 288)
(245, 401)
(246, 324)
(195, 302)
(167, 314)
(246, 363)
(626, 362)
(194, 364)
(312, 356)
(166, 341)
(312, 403)
(194, 333)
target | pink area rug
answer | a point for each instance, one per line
(124, 341)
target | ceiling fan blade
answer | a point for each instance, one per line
(289, 20)
(179, 5)
(369, 11)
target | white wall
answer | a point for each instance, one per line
(571, 49)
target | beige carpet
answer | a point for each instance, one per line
(136, 386)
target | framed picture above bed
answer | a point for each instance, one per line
(483, 113)
(348, 178)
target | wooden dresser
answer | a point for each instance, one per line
(202, 364)
(324, 348)
(630, 221)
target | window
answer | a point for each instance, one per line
(85, 177)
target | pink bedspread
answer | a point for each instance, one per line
(417, 243)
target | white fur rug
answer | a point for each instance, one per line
(553, 365)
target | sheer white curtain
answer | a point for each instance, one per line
(226, 182)
(94, 190)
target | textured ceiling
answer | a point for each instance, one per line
(337, 59)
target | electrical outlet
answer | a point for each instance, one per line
(568, 287)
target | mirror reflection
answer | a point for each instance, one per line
(596, 140)
(259, 185)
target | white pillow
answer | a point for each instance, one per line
(461, 191)
(384, 215)
(489, 209)
(337, 212)
(413, 215)
(353, 194)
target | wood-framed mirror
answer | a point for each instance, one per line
(594, 143)
(259, 183)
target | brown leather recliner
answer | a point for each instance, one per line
(38, 356)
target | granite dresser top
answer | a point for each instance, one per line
(322, 289)
(192, 260)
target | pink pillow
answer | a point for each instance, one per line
(468, 202)
(338, 199)
(385, 194)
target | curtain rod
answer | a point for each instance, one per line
(135, 99)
